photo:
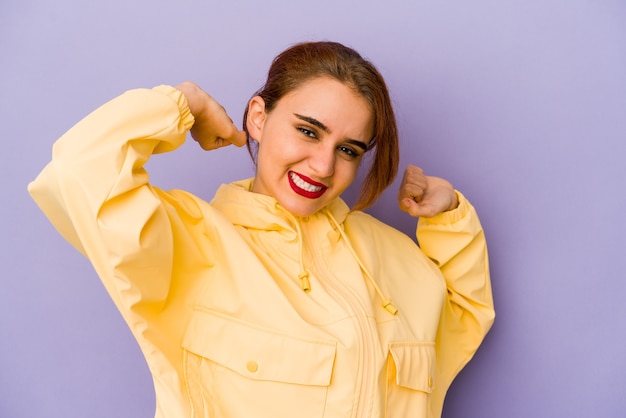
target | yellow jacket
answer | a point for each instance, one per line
(213, 292)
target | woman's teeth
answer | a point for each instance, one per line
(303, 184)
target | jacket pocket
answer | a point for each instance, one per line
(410, 374)
(237, 369)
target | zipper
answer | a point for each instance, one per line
(363, 398)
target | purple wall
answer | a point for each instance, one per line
(521, 104)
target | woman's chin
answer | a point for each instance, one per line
(302, 209)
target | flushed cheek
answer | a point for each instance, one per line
(345, 177)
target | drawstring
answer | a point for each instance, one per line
(387, 304)
(305, 283)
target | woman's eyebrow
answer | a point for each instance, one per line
(359, 144)
(313, 121)
(324, 128)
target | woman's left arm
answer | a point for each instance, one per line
(450, 234)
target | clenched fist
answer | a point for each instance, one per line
(213, 128)
(425, 196)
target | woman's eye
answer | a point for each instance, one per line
(348, 151)
(308, 132)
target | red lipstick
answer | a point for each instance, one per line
(302, 192)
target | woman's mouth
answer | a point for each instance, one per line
(305, 186)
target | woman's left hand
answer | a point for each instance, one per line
(425, 196)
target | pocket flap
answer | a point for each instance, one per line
(415, 363)
(259, 353)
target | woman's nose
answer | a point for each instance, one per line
(322, 162)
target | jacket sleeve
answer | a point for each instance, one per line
(95, 191)
(455, 242)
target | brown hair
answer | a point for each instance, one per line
(309, 60)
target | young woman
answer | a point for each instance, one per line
(276, 299)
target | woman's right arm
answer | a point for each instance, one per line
(213, 128)
(95, 190)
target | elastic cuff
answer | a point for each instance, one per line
(186, 118)
(450, 216)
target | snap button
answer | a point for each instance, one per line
(252, 366)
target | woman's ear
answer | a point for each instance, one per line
(256, 117)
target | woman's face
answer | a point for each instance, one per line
(310, 144)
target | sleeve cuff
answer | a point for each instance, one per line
(186, 118)
(450, 216)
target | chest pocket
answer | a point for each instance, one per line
(236, 369)
(410, 374)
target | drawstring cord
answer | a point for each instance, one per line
(386, 302)
(303, 276)
(305, 283)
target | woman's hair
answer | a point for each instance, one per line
(309, 60)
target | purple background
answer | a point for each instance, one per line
(521, 104)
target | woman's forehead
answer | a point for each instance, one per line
(332, 103)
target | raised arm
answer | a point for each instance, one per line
(449, 233)
(96, 192)
(213, 128)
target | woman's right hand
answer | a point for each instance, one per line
(213, 128)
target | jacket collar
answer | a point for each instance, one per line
(257, 211)
(251, 210)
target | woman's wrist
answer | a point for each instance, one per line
(193, 95)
